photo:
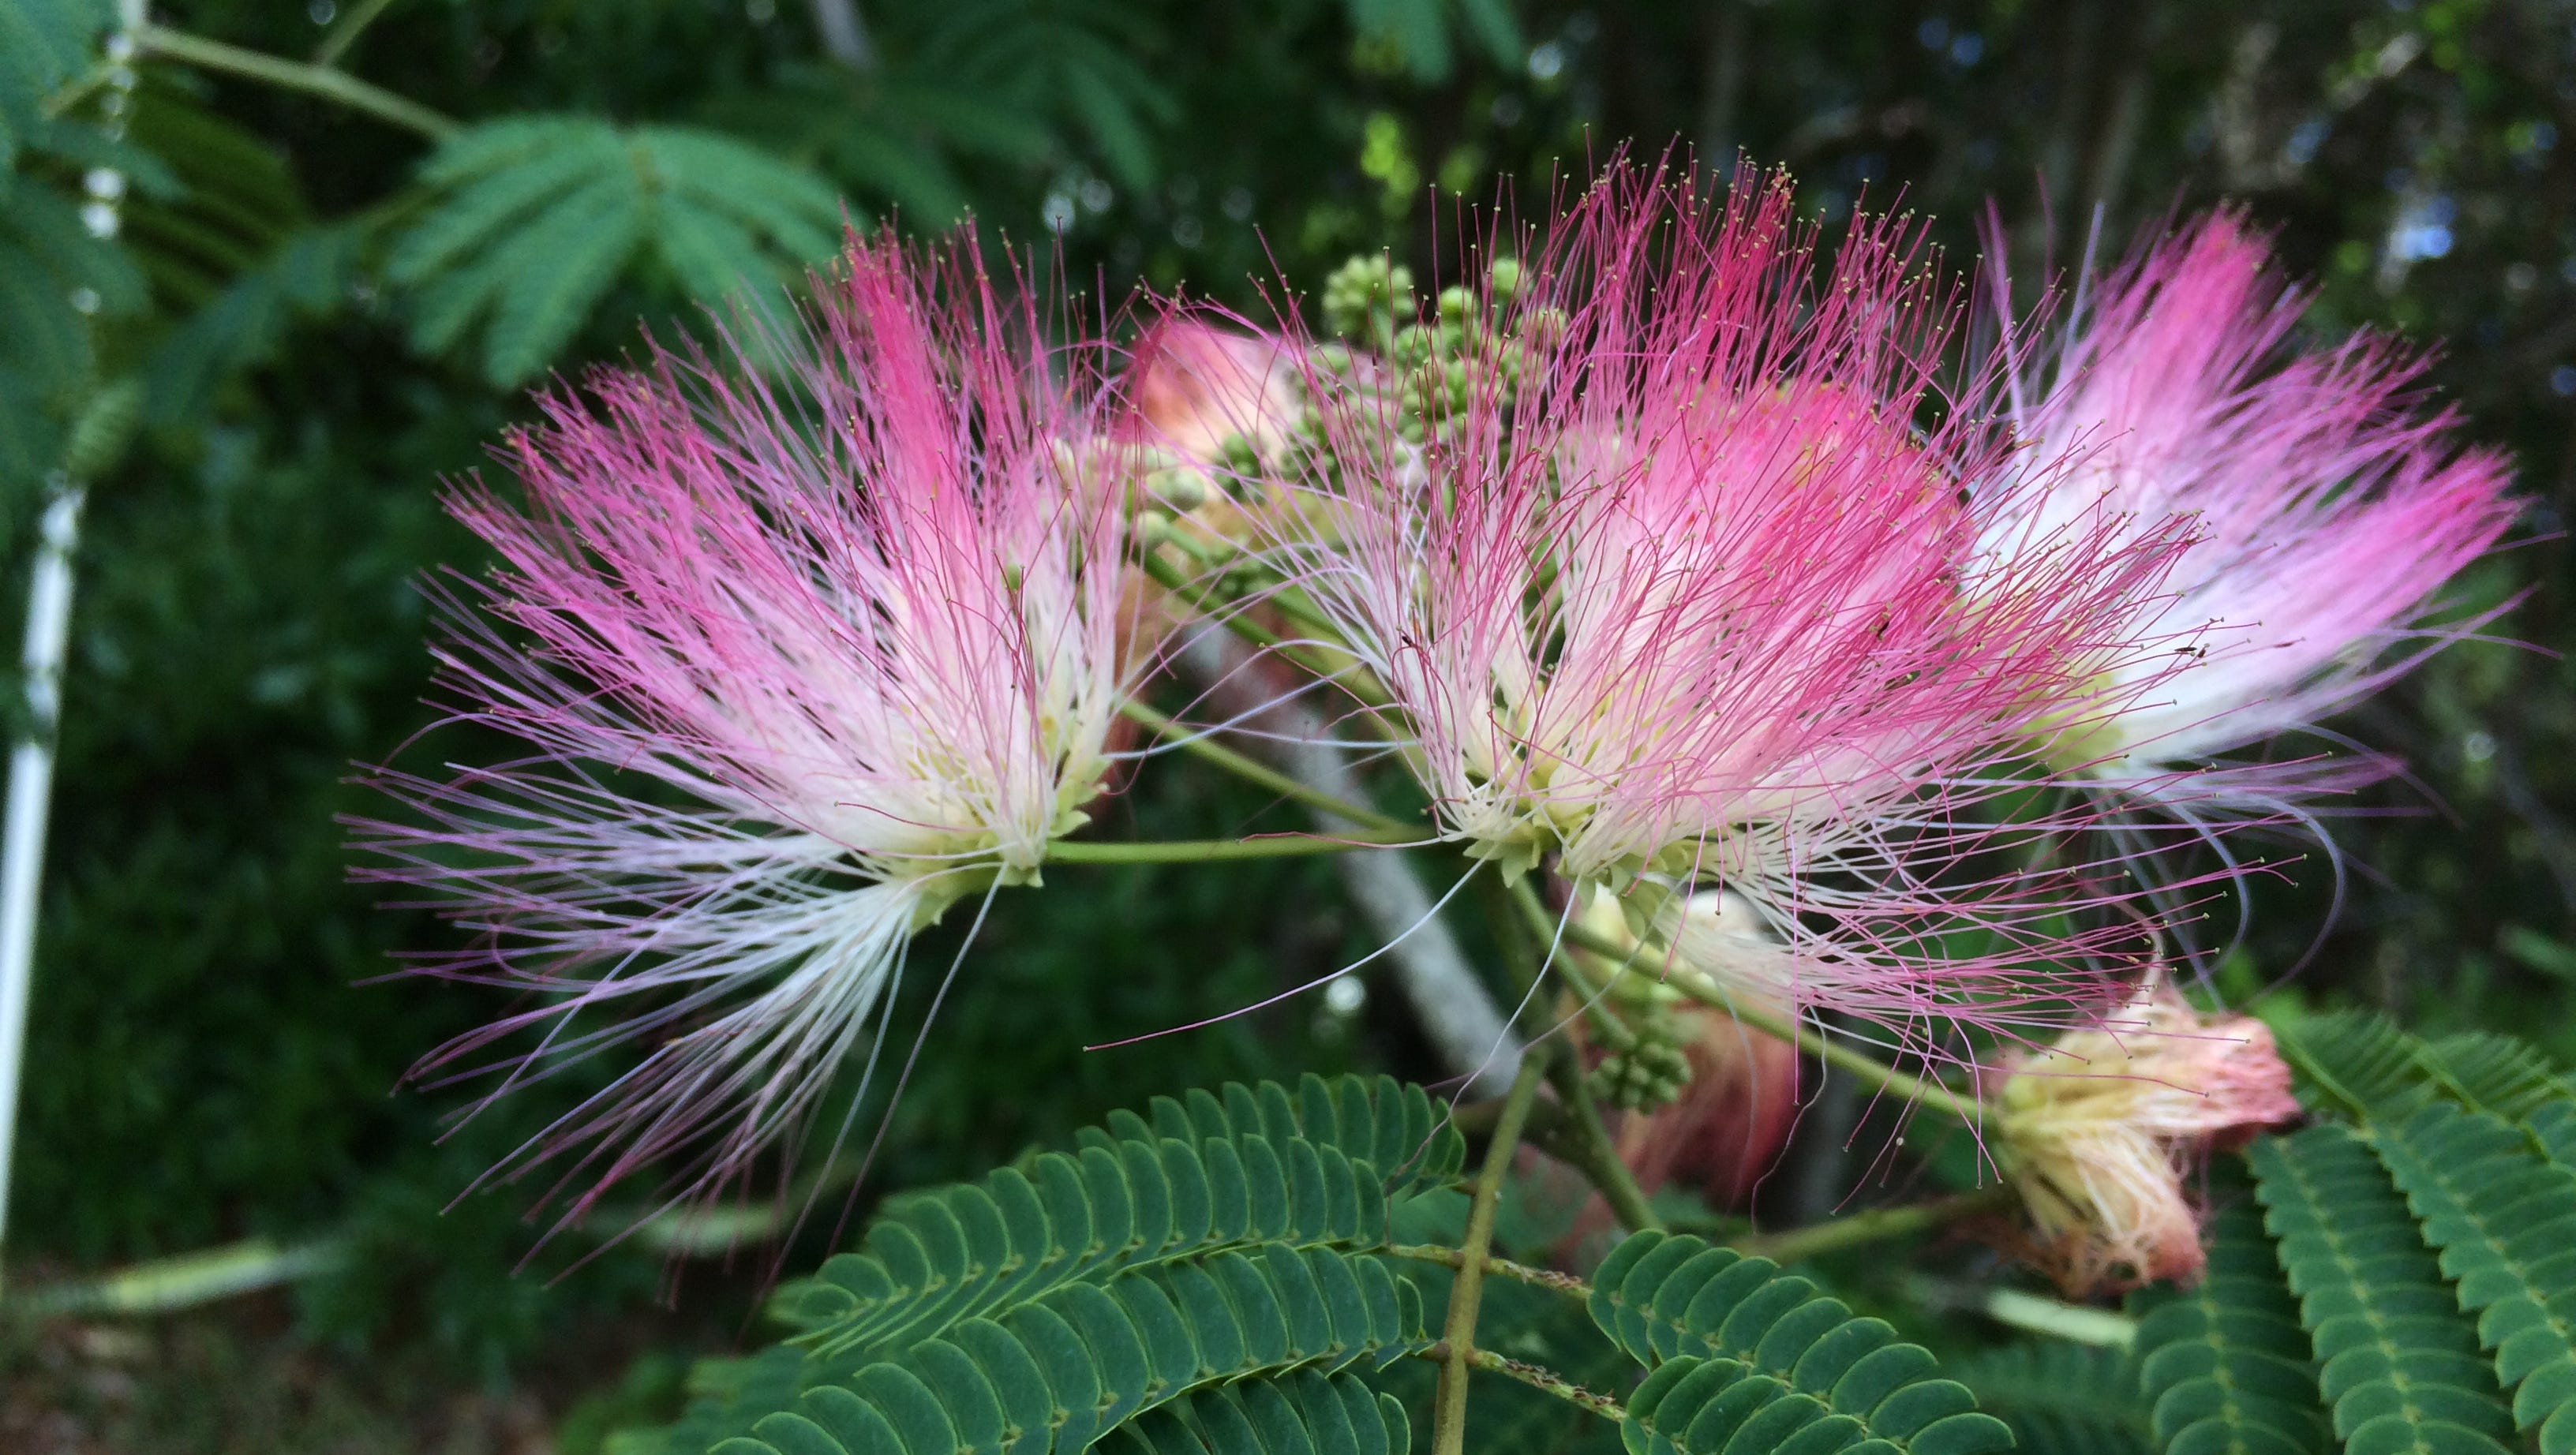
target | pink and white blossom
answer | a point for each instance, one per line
(2328, 509)
(1697, 598)
(1198, 389)
(798, 665)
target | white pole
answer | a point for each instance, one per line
(31, 791)
(49, 621)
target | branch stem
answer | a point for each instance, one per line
(1874, 1225)
(324, 81)
(1197, 742)
(1544, 1380)
(1580, 1138)
(345, 34)
(1549, 1278)
(1466, 1291)
(1203, 851)
(1920, 1090)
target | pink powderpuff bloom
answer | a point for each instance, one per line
(1204, 402)
(799, 665)
(1695, 599)
(2328, 510)
(2099, 1131)
(1198, 390)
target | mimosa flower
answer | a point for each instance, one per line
(798, 666)
(2099, 1131)
(1205, 392)
(1694, 599)
(2329, 509)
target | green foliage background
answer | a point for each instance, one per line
(331, 314)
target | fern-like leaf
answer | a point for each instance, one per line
(1418, 31)
(536, 217)
(1695, 1406)
(1202, 1199)
(1305, 1414)
(2358, 1063)
(2398, 1366)
(1068, 58)
(1060, 1373)
(2225, 1366)
(2355, 1062)
(43, 43)
(2504, 1219)
(54, 276)
(2484, 1071)
(1737, 1319)
(245, 323)
(2061, 1398)
(2554, 1128)
(220, 200)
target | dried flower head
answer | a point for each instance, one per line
(798, 665)
(2099, 1131)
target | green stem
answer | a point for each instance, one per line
(1549, 1278)
(1197, 742)
(74, 91)
(1169, 577)
(1874, 1225)
(323, 81)
(1922, 1091)
(1582, 1140)
(2029, 1311)
(1466, 1291)
(346, 33)
(166, 1285)
(1203, 851)
(1919, 1090)
(1544, 1380)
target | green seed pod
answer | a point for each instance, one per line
(1180, 489)
(1365, 291)
(1543, 326)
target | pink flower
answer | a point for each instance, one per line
(2329, 510)
(1693, 599)
(2099, 1131)
(797, 668)
(1197, 390)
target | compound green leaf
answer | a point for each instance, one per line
(2504, 1219)
(1667, 1299)
(2396, 1378)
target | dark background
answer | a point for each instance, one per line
(214, 1056)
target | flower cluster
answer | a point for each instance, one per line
(1703, 596)
(1691, 597)
(800, 664)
